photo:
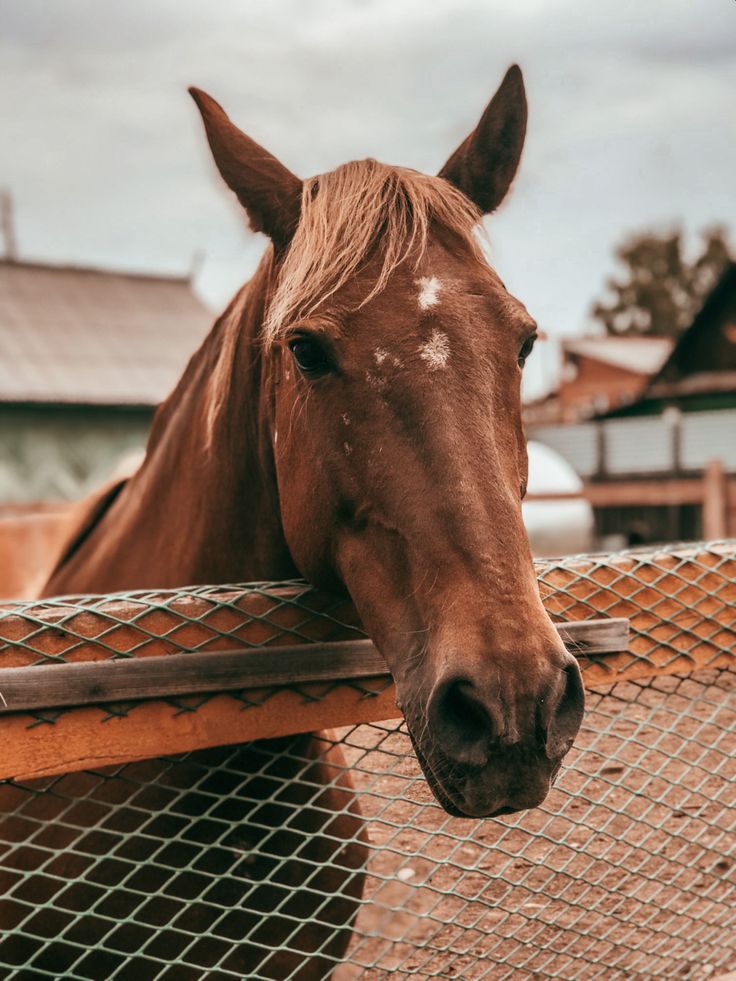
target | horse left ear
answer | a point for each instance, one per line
(268, 191)
(484, 164)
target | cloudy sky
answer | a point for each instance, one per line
(632, 123)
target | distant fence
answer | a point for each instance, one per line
(714, 492)
(646, 444)
(147, 869)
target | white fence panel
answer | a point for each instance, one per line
(577, 444)
(638, 446)
(709, 436)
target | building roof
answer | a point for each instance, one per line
(700, 372)
(89, 336)
(642, 355)
(708, 345)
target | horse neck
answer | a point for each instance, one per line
(204, 505)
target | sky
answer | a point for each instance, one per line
(632, 124)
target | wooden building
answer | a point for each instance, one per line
(663, 467)
(700, 372)
(600, 374)
(85, 357)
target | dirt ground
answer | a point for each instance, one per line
(153, 870)
(626, 872)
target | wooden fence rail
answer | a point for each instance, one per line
(102, 654)
(714, 492)
(92, 682)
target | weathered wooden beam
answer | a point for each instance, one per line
(658, 492)
(128, 679)
(87, 738)
(618, 493)
(640, 492)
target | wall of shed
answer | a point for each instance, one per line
(597, 387)
(61, 453)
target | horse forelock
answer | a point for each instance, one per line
(346, 216)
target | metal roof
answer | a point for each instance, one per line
(643, 355)
(88, 336)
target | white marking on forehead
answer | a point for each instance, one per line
(348, 449)
(436, 351)
(346, 419)
(380, 355)
(429, 287)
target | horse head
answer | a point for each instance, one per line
(391, 358)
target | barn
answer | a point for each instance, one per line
(663, 466)
(85, 357)
(600, 374)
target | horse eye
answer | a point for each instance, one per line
(526, 350)
(310, 356)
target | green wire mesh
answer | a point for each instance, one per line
(160, 869)
(195, 618)
(190, 618)
(227, 863)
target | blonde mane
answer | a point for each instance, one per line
(345, 215)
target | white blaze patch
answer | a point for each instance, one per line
(345, 419)
(348, 449)
(429, 287)
(436, 351)
(380, 355)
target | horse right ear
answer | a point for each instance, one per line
(484, 164)
(268, 191)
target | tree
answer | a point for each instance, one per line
(661, 291)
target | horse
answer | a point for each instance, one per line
(354, 417)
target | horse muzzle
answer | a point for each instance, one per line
(486, 752)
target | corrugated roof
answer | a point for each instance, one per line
(644, 355)
(89, 336)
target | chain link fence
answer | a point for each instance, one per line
(253, 861)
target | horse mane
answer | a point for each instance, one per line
(349, 213)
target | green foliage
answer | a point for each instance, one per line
(660, 291)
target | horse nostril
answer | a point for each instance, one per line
(567, 715)
(462, 724)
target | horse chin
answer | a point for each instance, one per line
(434, 784)
(473, 795)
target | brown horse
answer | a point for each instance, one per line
(355, 416)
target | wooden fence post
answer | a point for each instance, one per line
(715, 501)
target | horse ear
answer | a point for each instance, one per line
(268, 191)
(484, 164)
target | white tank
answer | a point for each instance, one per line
(556, 527)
